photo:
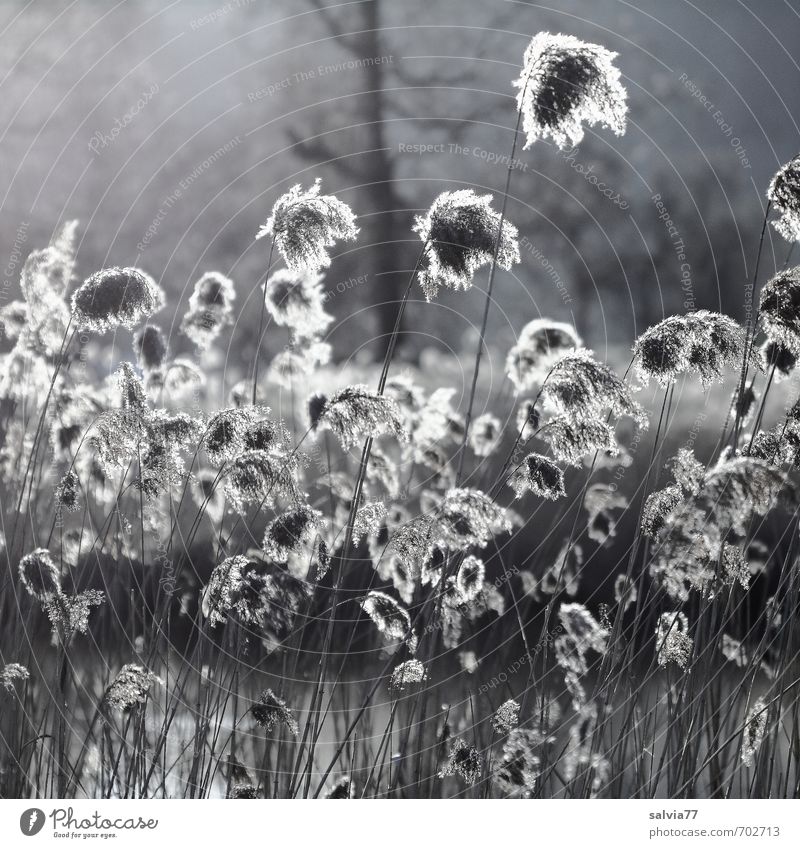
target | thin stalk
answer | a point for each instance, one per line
(261, 322)
(488, 303)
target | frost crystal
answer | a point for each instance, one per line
(461, 231)
(565, 83)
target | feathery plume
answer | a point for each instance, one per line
(704, 343)
(210, 309)
(733, 651)
(581, 625)
(469, 579)
(599, 501)
(779, 357)
(130, 687)
(271, 711)
(287, 533)
(541, 344)
(520, 768)
(506, 717)
(341, 790)
(369, 519)
(304, 223)
(11, 674)
(461, 230)
(469, 518)
(223, 593)
(69, 614)
(565, 83)
(779, 309)
(527, 419)
(224, 438)
(784, 192)
(485, 434)
(673, 642)
(355, 412)
(114, 297)
(464, 761)
(658, 506)
(386, 613)
(39, 575)
(539, 475)
(754, 729)
(151, 348)
(295, 300)
(571, 440)
(407, 674)
(584, 388)
(66, 493)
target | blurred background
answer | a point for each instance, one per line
(169, 129)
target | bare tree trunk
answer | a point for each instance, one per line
(385, 258)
